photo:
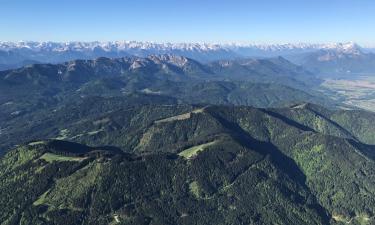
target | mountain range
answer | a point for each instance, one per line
(31, 92)
(348, 57)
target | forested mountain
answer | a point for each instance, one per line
(183, 164)
(171, 67)
(32, 94)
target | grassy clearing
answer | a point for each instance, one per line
(36, 143)
(361, 219)
(49, 157)
(42, 199)
(149, 91)
(64, 134)
(184, 116)
(193, 151)
(195, 189)
(94, 132)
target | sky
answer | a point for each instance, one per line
(212, 21)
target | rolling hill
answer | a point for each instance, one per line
(183, 164)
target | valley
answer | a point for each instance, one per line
(358, 91)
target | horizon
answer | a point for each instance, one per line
(239, 21)
(248, 43)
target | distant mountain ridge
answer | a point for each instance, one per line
(128, 45)
(341, 59)
(166, 66)
(171, 66)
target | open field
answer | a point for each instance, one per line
(193, 151)
(358, 92)
(49, 157)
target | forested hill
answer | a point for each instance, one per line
(182, 164)
(32, 95)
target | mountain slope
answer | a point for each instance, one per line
(119, 188)
(272, 70)
(26, 118)
(212, 165)
(352, 124)
(41, 88)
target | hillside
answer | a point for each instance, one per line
(194, 165)
(33, 94)
(26, 118)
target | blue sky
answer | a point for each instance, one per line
(263, 21)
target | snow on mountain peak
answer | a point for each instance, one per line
(133, 45)
(345, 48)
(20, 53)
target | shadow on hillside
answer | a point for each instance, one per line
(367, 150)
(71, 148)
(281, 161)
(287, 120)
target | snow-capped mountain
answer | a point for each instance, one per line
(339, 59)
(106, 46)
(15, 54)
(161, 48)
